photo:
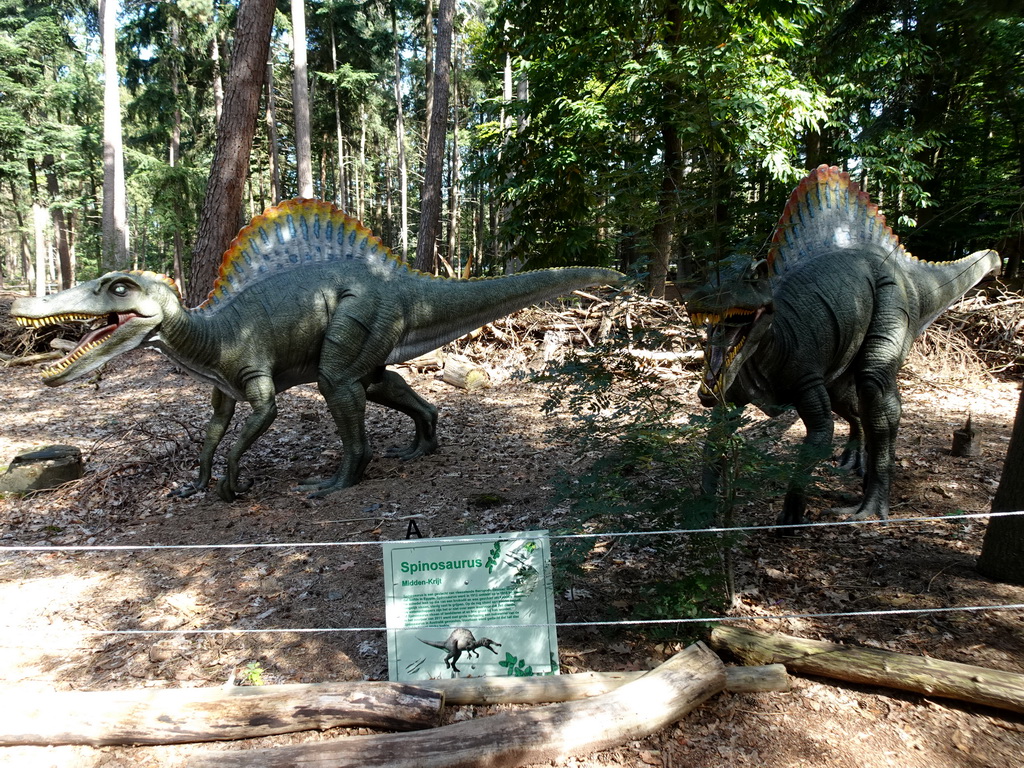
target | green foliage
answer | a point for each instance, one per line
(623, 116)
(515, 666)
(493, 557)
(252, 674)
(646, 476)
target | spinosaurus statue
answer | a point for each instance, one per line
(824, 324)
(305, 293)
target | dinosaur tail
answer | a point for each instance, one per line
(433, 644)
(443, 310)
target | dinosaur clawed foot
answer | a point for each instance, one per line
(184, 491)
(414, 451)
(316, 488)
(228, 490)
(858, 512)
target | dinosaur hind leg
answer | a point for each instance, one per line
(882, 409)
(347, 404)
(815, 410)
(393, 391)
(885, 349)
(845, 404)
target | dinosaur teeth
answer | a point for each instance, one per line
(64, 363)
(42, 322)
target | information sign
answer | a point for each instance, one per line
(470, 606)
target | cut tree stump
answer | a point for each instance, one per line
(182, 715)
(964, 443)
(553, 732)
(461, 372)
(42, 470)
(873, 666)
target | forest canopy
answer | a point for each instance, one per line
(659, 135)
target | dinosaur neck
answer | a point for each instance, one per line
(189, 337)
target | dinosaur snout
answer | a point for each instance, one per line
(489, 644)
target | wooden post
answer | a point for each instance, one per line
(873, 666)
(509, 739)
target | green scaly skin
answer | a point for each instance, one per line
(337, 323)
(826, 331)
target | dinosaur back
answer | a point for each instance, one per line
(828, 211)
(292, 235)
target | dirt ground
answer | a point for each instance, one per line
(140, 426)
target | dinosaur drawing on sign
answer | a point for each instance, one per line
(460, 641)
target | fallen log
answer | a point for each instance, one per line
(874, 666)
(581, 685)
(553, 732)
(103, 718)
(100, 718)
(41, 357)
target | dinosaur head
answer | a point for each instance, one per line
(486, 642)
(120, 311)
(736, 306)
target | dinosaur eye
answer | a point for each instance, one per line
(119, 289)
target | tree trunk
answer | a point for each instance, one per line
(430, 204)
(38, 275)
(874, 666)
(361, 167)
(218, 79)
(340, 198)
(671, 178)
(1002, 551)
(26, 254)
(428, 68)
(114, 252)
(403, 171)
(218, 222)
(300, 100)
(60, 229)
(274, 147)
(187, 715)
(174, 152)
(454, 187)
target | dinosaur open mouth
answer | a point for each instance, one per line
(98, 328)
(727, 332)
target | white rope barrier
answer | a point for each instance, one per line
(456, 539)
(557, 624)
(565, 624)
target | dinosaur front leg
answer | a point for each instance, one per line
(393, 391)
(347, 404)
(259, 392)
(223, 410)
